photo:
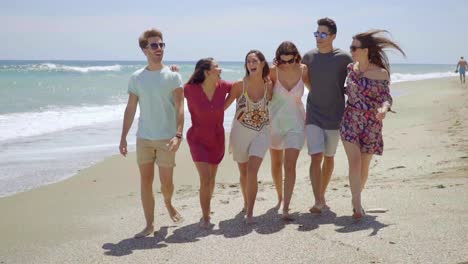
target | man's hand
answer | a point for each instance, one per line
(174, 144)
(123, 147)
(174, 68)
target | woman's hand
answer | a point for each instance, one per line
(381, 113)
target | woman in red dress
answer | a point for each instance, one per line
(206, 93)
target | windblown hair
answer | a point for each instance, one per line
(287, 48)
(198, 75)
(261, 57)
(143, 39)
(376, 44)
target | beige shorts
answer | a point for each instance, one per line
(156, 151)
(321, 140)
(243, 148)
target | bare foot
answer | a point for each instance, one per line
(278, 205)
(286, 216)
(145, 232)
(174, 214)
(358, 215)
(249, 220)
(205, 224)
(316, 209)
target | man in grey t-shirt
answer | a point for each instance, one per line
(325, 106)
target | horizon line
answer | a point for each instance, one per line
(107, 60)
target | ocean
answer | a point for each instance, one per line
(57, 117)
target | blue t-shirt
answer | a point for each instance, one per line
(154, 90)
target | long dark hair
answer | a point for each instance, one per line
(376, 45)
(287, 48)
(198, 75)
(261, 57)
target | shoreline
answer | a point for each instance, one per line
(398, 92)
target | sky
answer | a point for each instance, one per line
(428, 31)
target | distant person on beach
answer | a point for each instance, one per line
(287, 119)
(325, 106)
(206, 94)
(250, 133)
(158, 93)
(461, 68)
(368, 101)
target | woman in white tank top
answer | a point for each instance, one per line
(287, 119)
(250, 133)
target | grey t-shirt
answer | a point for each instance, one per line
(327, 73)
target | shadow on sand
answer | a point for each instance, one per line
(268, 223)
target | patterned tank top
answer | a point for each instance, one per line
(252, 115)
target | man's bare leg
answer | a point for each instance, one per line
(315, 173)
(327, 171)
(167, 189)
(147, 197)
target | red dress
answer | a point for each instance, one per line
(206, 136)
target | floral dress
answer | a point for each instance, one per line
(359, 124)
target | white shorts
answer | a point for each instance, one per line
(249, 143)
(321, 140)
(292, 139)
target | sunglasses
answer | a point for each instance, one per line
(322, 35)
(155, 46)
(353, 48)
(280, 61)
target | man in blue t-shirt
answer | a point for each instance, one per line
(159, 94)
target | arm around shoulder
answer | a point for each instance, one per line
(306, 76)
(235, 92)
(380, 74)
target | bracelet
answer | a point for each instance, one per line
(178, 135)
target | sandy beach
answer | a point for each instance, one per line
(422, 179)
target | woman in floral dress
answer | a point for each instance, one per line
(368, 101)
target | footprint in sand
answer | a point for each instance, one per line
(397, 167)
(377, 210)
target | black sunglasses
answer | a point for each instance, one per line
(155, 46)
(353, 48)
(280, 61)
